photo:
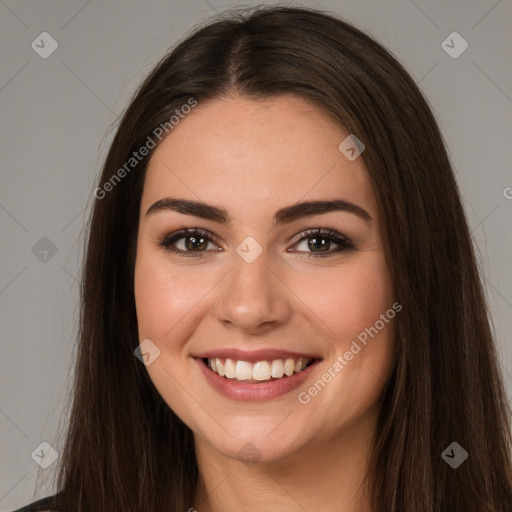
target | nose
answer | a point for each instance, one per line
(253, 298)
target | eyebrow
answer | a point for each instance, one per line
(282, 216)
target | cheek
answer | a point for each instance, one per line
(165, 302)
(156, 300)
(350, 302)
(166, 299)
(350, 298)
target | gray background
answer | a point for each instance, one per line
(56, 119)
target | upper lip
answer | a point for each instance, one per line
(253, 356)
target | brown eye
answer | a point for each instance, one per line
(318, 242)
(195, 241)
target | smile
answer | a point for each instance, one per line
(260, 371)
(255, 376)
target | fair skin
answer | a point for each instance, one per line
(253, 158)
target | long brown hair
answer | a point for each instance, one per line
(125, 448)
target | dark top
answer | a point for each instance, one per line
(37, 506)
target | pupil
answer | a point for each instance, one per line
(194, 239)
(314, 243)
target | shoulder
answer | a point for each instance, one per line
(41, 505)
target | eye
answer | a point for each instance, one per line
(194, 242)
(315, 239)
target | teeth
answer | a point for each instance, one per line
(277, 368)
(289, 366)
(220, 367)
(257, 372)
(229, 369)
(261, 371)
(243, 370)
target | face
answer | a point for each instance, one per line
(253, 288)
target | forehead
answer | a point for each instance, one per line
(256, 156)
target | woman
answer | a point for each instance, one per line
(281, 307)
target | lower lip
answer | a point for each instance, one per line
(256, 392)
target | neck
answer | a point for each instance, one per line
(328, 475)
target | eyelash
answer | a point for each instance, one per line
(167, 240)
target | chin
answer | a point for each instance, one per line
(260, 446)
